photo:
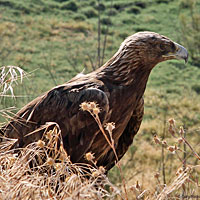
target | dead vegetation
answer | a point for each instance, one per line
(43, 170)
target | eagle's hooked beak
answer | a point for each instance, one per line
(180, 53)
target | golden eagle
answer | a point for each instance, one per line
(117, 87)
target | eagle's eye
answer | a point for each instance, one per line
(173, 47)
(162, 47)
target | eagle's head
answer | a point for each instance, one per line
(137, 56)
(151, 48)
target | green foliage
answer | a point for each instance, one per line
(112, 12)
(69, 6)
(186, 3)
(93, 3)
(121, 5)
(79, 17)
(196, 88)
(17, 5)
(106, 21)
(134, 10)
(90, 13)
(190, 28)
(61, 0)
(123, 35)
(100, 7)
(141, 4)
(164, 1)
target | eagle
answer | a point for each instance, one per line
(117, 88)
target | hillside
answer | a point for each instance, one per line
(56, 39)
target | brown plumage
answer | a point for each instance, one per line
(117, 87)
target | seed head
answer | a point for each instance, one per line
(156, 139)
(171, 121)
(50, 161)
(180, 140)
(102, 170)
(96, 111)
(172, 148)
(110, 126)
(89, 156)
(171, 130)
(85, 106)
(181, 131)
(49, 135)
(95, 174)
(40, 143)
(138, 185)
(156, 175)
(93, 105)
(164, 143)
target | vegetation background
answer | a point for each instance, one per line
(56, 39)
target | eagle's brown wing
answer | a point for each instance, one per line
(126, 139)
(62, 105)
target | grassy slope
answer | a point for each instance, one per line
(48, 40)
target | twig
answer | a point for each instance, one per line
(163, 149)
(99, 36)
(96, 117)
(188, 144)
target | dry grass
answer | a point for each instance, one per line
(43, 170)
(9, 76)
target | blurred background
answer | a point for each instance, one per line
(53, 40)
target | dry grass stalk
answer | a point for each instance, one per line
(184, 175)
(9, 76)
(94, 110)
(43, 170)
